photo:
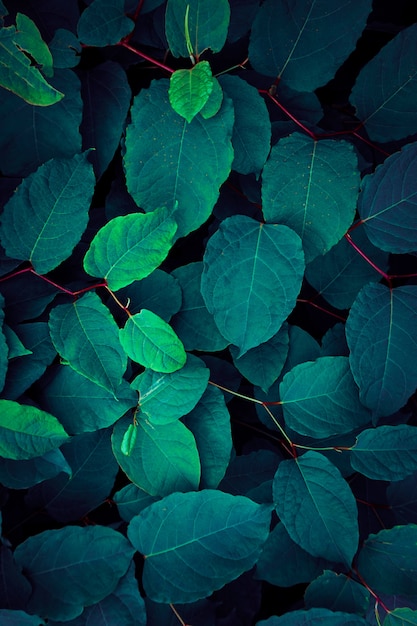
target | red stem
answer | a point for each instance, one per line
(317, 306)
(367, 259)
(125, 44)
(288, 114)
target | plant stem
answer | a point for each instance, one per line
(235, 393)
(366, 258)
(125, 44)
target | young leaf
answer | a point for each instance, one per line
(27, 431)
(85, 334)
(386, 452)
(104, 23)
(312, 187)
(54, 200)
(337, 592)
(321, 399)
(214, 101)
(194, 543)
(317, 507)
(129, 439)
(130, 247)
(383, 347)
(150, 341)
(72, 567)
(252, 276)
(189, 90)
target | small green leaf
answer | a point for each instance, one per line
(129, 439)
(104, 23)
(150, 341)
(214, 101)
(189, 90)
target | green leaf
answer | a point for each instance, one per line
(14, 344)
(27, 431)
(337, 592)
(159, 292)
(252, 276)
(317, 507)
(321, 399)
(130, 247)
(315, 617)
(305, 43)
(387, 203)
(129, 439)
(54, 200)
(65, 49)
(131, 501)
(4, 348)
(194, 543)
(19, 618)
(85, 334)
(189, 90)
(72, 567)
(104, 23)
(214, 101)
(386, 452)
(164, 398)
(150, 341)
(171, 163)
(163, 459)
(401, 617)
(312, 187)
(207, 25)
(388, 561)
(385, 93)
(17, 74)
(30, 472)
(249, 472)
(383, 348)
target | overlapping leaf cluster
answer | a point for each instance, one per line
(163, 248)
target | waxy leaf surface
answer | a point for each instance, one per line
(189, 90)
(195, 543)
(104, 23)
(252, 276)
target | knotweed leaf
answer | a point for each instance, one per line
(189, 90)
(104, 23)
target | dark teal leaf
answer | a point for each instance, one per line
(171, 163)
(305, 43)
(149, 340)
(402, 498)
(164, 458)
(251, 137)
(201, 612)
(312, 187)
(164, 398)
(24, 474)
(388, 561)
(15, 589)
(385, 94)
(190, 89)
(26, 297)
(54, 200)
(337, 592)
(284, 563)
(106, 95)
(159, 292)
(131, 501)
(194, 543)
(104, 23)
(263, 364)
(65, 49)
(241, 18)
(340, 274)
(130, 247)
(387, 203)
(14, 344)
(94, 469)
(193, 323)
(27, 431)
(333, 342)
(317, 507)
(4, 348)
(19, 618)
(248, 473)
(321, 399)
(383, 347)
(401, 617)
(86, 335)
(386, 453)
(207, 25)
(315, 617)
(72, 567)
(252, 276)
(81, 405)
(209, 422)
(33, 127)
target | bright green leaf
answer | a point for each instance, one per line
(214, 101)
(189, 90)
(104, 23)
(129, 439)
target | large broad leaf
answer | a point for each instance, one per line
(195, 543)
(87, 337)
(321, 399)
(162, 460)
(315, 617)
(205, 22)
(380, 332)
(72, 567)
(27, 431)
(164, 398)
(252, 276)
(130, 247)
(385, 94)
(189, 90)
(337, 592)
(386, 453)
(150, 341)
(25, 474)
(304, 43)
(388, 200)
(17, 73)
(19, 618)
(388, 561)
(312, 187)
(317, 507)
(104, 23)
(171, 163)
(54, 200)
